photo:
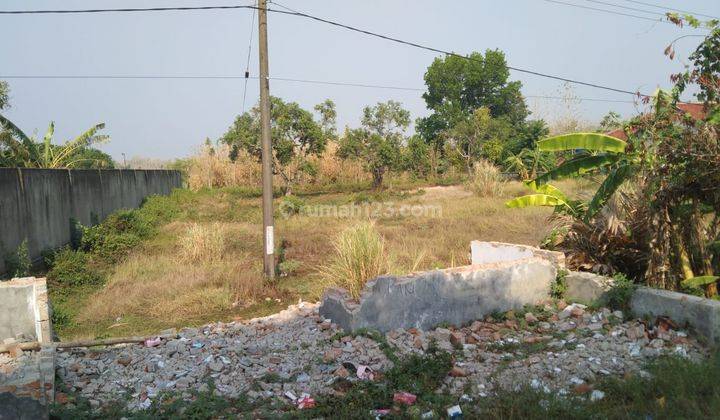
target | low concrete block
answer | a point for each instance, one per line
(454, 296)
(586, 287)
(700, 313)
(492, 252)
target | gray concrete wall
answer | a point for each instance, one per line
(456, 296)
(37, 204)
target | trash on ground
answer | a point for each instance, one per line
(153, 342)
(364, 372)
(454, 412)
(404, 398)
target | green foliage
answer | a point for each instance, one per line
(4, 95)
(291, 205)
(17, 149)
(378, 142)
(559, 286)
(17, 263)
(699, 281)
(295, 136)
(456, 87)
(594, 142)
(73, 268)
(620, 295)
(416, 157)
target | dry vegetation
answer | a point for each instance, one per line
(205, 266)
(211, 168)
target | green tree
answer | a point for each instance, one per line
(611, 121)
(416, 157)
(456, 87)
(378, 142)
(295, 137)
(479, 135)
(328, 118)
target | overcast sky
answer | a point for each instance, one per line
(170, 118)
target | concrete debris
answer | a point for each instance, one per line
(289, 356)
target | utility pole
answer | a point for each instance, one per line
(267, 190)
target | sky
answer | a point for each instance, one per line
(161, 118)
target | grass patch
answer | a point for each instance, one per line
(151, 286)
(359, 257)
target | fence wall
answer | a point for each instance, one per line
(37, 204)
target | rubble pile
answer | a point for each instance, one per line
(296, 355)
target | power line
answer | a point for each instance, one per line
(450, 53)
(619, 6)
(280, 79)
(247, 66)
(612, 12)
(123, 10)
(658, 6)
(340, 25)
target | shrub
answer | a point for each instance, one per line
(486, 180)
(291, 205)
(123, 230)
(18, 263)
(73, 268)
(203, 243)
(359, 256)
(619, 296)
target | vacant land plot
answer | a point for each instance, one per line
(205, 264)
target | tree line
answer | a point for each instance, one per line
(477, 113)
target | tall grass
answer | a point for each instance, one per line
(359, 256)
(212, 168)
(486, 180)
(203, 243)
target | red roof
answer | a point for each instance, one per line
(696, 111)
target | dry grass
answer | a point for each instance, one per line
(212, 168)
(203, 243)
(486, 180)
(160, 286)
(359, 256)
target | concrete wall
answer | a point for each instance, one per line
(37, 204)
(456, 296)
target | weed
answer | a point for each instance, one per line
(291, 205)
(619, 296)
(18, 263)
(559, 287)
(203, 243)
(359, 257)
(486, 180)
(73, 268)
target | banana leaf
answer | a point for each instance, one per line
(699, 281)
(577, 166)
(612, 182)
(595, 142)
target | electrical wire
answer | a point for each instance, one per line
(340, 25)
(613, 12)
(280, 79)
(619, 6)
(247, 66)
(450, 53)
(658, 6)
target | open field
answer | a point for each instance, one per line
(204, 265)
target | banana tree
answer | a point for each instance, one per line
(593, 153)
(26, 151)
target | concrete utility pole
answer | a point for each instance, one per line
(267, 193)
